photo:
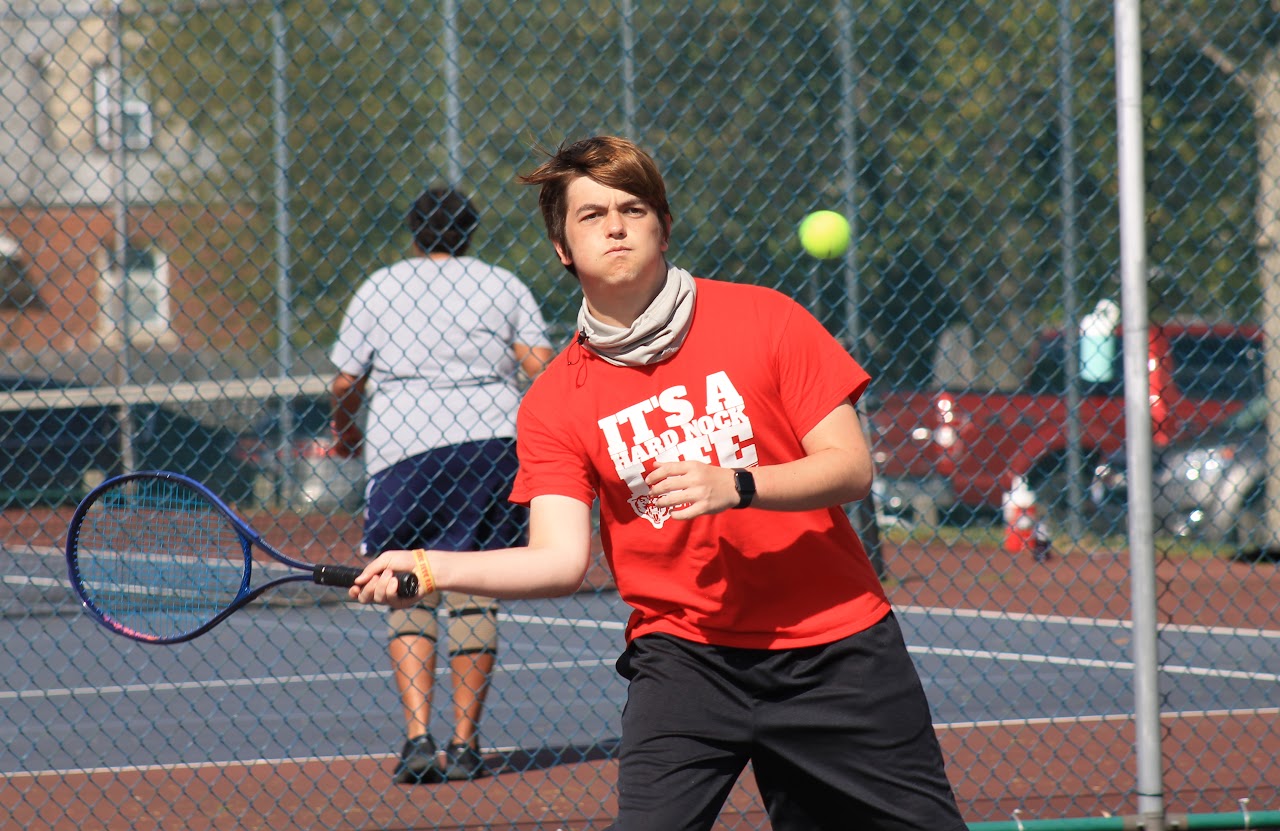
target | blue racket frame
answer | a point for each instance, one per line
(326, 575)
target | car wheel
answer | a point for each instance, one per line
(1249, 530)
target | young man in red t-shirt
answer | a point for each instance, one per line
(715, 423)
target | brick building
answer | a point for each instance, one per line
(192, 300)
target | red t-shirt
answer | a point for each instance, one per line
(755, 374)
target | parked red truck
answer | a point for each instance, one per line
(939, 450)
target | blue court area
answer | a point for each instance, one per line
(302, 674)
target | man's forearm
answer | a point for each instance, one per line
(510, 573)
(829, 477)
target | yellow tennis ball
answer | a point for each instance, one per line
(825, 234)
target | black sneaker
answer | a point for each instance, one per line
(418, 762)
(463, 762)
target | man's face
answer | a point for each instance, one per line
(612, 239)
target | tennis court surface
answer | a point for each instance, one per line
(277, 720)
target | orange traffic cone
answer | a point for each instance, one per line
(1019, 507)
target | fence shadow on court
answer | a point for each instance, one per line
(523, 760)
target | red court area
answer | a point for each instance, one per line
(1044, 769)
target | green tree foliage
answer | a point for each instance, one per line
(1203, 151)
(955, 164)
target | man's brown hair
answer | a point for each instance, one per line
(613, 162)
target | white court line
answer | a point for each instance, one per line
(971, 654)
(303, 760)
(42, 550)
(1173, 715)
(934, 611)
(270, 681)
(937, 611)
(42, 582)
(617, 626)
(543, 620)
(116, 769)
(1089, 663)
(1110, 623)
(592, 624)
(1014, 657)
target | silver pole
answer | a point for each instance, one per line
(119, 197)
(1133, 275)
(284, 287)
(628, 71)
(1067, 186)
(849, 150)
(452, 101)
(850, 109)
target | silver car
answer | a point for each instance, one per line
(1210, 488)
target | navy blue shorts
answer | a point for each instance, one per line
(839, 736)
(451, 499)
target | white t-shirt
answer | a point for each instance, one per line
(435, 337)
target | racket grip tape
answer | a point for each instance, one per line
(345, 577)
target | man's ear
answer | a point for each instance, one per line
(563, 253)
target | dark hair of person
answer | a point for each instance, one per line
(442, 221)
(613, 162)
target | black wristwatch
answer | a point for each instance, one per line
(745, 484)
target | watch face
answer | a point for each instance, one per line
(745, 484)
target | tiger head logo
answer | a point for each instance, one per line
(644, 506)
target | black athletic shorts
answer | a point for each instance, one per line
(839, 736)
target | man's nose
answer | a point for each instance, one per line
(614, 224)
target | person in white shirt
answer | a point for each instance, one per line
(433, 347)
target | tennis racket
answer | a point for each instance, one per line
(156, 557)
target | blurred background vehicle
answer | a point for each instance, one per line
(168, 439)
(315, 480)
(951, 454)
(1209, 487)
(50, 455)
(54, 455)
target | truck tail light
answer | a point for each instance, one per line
(944, 434)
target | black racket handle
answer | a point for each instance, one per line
(345, 577)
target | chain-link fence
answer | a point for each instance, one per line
(193, 191)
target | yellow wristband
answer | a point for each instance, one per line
(422, 569)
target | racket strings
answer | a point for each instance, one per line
(158, 559)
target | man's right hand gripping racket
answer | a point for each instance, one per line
(155, 556)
